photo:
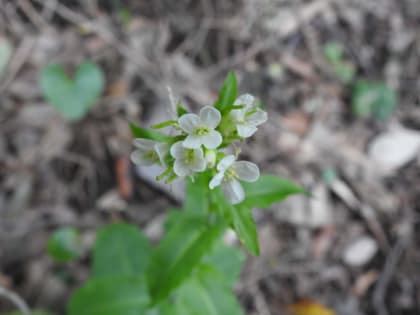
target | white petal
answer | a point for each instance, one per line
(192, 142)
(181, 169)
(246, 130)
(189, 122)
(225, 163)
(246, 171)
(257, 118)
(161, 150)
(210, 116)
(199, 163)
(233, 191)
(245, 99)
(237, 115)
(137, 157)
(177, 150)
(212, 140)
(144, 144)
(216, 180)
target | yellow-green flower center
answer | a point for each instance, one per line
(189, 156)
(201, 131)
(152, 155)
(230, 174)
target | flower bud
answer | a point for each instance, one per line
(210, 157)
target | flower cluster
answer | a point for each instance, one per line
(202, 143)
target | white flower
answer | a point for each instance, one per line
(229, 173)
(200, 128)
(147, 152)
(248, 118)
(187, 160)
(161, 149)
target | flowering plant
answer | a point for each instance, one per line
(202, 144)
(190, 271)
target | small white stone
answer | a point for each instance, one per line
(360, 251)
(394, 149)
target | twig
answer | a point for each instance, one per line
(289, 26)
(18, 61)
(32, 14)
(102, 32)
(386, 276)
(16, 300)
(260, 302)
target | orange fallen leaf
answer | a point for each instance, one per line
(309, 307)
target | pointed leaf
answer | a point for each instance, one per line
(244, 225)
(178, 254)
(228, 93)
(227, 260)
(120, 249)
(139, 132)
(197, 194)
(114, 295)
(206, 294)
(181, 110)
(267, 190)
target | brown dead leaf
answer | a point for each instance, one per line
(298, 122)
(118, 88)
(309, 307)
(364, 282)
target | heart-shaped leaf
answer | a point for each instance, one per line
(72, 97)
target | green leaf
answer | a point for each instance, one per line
(227, 260)
(245, 228)
(64, 244)
(120, 249)
(164, 124)
(345, 71)
(139, 132)
(197, 194)
(206, 294)
(6, 50)
(72, 97)
(178, 254)
(267, 190)
(227, 94)
(111, 296)
(373, 99)
(32, 313)
(333, 52)
(180, 110)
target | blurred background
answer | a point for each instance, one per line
(339, 79)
